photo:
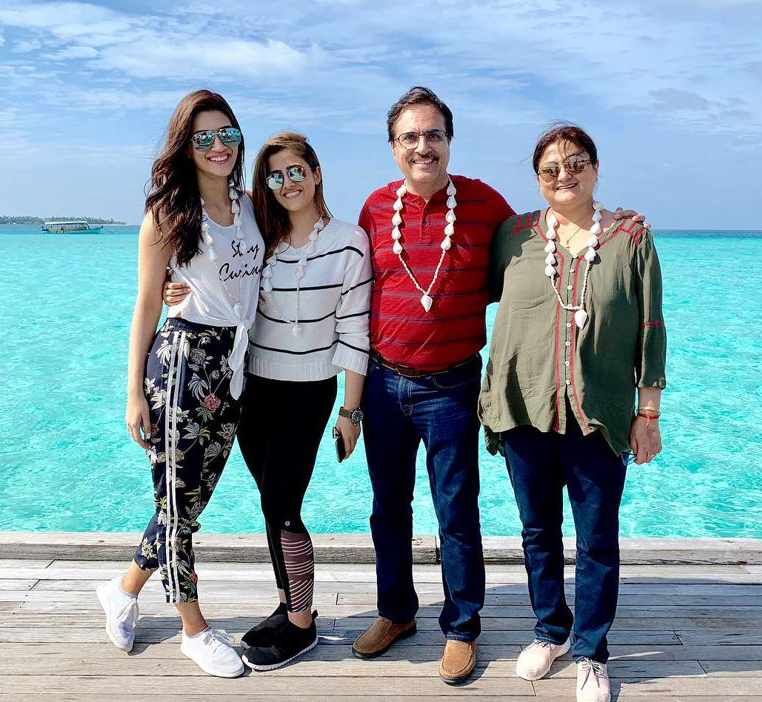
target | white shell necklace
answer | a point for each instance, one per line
(580, 314)
(208, 239)
(449, 230)
(301, 265)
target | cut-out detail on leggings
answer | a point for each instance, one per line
(300, 569)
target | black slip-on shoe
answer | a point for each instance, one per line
(284, 644)
(262, 631)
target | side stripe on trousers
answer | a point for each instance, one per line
(170, 428)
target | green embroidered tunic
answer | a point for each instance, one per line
(538, 356)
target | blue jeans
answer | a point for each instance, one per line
(439, 410)
(539, 465)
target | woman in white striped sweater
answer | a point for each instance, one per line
(312, 323)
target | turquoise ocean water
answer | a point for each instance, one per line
(67, 463)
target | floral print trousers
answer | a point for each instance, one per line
(193, 424)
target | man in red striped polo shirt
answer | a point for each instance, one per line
(430, 236)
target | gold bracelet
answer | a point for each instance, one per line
(656, 412)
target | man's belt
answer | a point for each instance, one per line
(409, 372)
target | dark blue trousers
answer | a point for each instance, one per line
(439, 410)
(539, 465)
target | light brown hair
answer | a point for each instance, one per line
(272, 218)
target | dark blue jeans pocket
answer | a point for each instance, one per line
(469, 372)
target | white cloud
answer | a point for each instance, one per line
(73, 52)
(55, 15)
(24, 46)
(202, 59)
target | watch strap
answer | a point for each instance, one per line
(351, 415)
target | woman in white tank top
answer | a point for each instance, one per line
(185, 381)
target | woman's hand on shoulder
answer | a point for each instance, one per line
(619, 213)
(138, 419)
(645, 439)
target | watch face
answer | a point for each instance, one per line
(356, 416)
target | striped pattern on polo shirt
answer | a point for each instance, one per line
(454, 329)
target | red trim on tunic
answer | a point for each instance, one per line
(652, 324)
(618, 229)
(558, 350)
(572, 349)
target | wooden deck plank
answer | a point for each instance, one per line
(169, 630)
(249, 696)
(15, 584)
(330, 662)
(7, 565)
(732, 669)
(677, 599)
(714, 653)
(150, 601)
(66, 617)
(669, 688)
(276, 685)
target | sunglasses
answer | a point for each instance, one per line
(203, 140)
(295, 173)
(574, 164)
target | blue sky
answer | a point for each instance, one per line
(671, 90)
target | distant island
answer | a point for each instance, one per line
(40, 220)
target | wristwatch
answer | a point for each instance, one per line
(355, 416)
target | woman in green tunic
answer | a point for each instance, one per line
(578, 331)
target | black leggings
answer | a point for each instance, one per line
(279, 434)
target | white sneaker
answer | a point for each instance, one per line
(121, 613)
(592, 681)
(212, 651)
(535, 660)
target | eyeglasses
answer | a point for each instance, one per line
(203, 140)
(574, 164)
(295, 173)
(409, 140)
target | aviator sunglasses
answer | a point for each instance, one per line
(295, 173)
(574, 164)
(203, 140)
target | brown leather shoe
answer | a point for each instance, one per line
(458, 661)
(377, 638)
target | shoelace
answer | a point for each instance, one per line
(591, 666)
(542, 644)
(218, 637)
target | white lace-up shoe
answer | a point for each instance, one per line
(535, 660)
(212, 651)
(592, 681)
(121, 613)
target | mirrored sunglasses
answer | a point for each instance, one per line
(295, 173)
(203, 140)
(574, 164)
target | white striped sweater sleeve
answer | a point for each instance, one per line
(353, 309)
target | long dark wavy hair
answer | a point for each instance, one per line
(172, 193)
(272, 219)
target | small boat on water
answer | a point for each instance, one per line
(70, 226)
